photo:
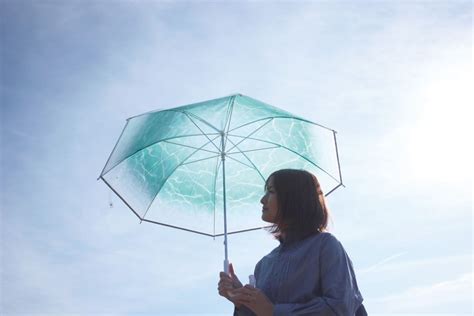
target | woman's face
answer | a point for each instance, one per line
(269, 203)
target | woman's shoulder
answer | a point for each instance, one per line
(317, 242)
(323, 238)
(312, 243)
(324, 242)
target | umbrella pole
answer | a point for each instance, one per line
(226, 258)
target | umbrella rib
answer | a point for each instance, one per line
(250, 150)
(251, 162)
(200, 119)
(188, 115)
(291, 150)
(169, 175)
(123, 200)
(154, 143)
(231, 110)
(206, 150)
(281, 117)
(187, 163)
(339, 185)
(337, 156)
(243, 231)
(115, 147)
(176, 227)
(260, 127)
(251, 167)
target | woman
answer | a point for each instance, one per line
(309, 273)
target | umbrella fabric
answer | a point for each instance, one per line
(168, 166)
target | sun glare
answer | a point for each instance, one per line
(439, 144)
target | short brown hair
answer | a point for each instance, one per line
(302, 209)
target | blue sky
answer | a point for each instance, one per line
(393, 78)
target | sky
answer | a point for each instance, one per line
(393, 78)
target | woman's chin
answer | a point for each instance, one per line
(265, 219)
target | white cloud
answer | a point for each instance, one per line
(439, 284)
(450, 296)
(379, 264)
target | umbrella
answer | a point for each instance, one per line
(202, 167)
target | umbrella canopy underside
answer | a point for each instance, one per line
(167, 165)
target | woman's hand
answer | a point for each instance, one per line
(254, 299)
(228, 283)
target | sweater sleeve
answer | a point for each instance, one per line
(244, 311)
(339, 293)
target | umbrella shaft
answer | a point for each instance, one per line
(226, 257)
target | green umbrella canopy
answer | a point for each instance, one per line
(167, 166)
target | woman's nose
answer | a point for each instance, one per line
(262, 200)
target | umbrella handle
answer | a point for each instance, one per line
(226, 266)
(252, 280)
